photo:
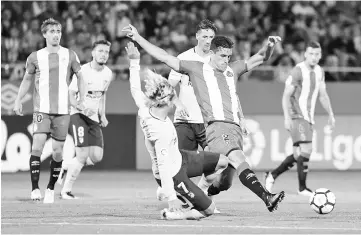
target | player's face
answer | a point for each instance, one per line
(53, 35)
(204, 38)
(221, 58)
(101, 54)
(313, 55)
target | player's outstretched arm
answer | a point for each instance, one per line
(326, 104)
(134, 78)
(264, 54)
(156, 52)
(23, 89)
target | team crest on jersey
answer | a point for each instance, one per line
(229, 74)
(301, 128)
(225, 138)
(164, 152)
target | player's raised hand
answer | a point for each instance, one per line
(18, 108)
(273, 40)
(131, 31)
(103, 121)
(132, 51)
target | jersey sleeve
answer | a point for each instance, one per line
(135, 85)
(164, 165)
(239, 68)
(30, 65)
(109, 80)
(188, 67)
(74, 62)
(295, 78)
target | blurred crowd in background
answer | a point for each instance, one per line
(171, 25)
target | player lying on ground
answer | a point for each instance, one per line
(214, 83)
(306, 80)
(171, 167)
(85, 125)
(50, 69)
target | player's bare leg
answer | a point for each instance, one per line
(287, 164)
(302, 169)
(39, 140)
(248, 179)
(94, 153)
(55, 168)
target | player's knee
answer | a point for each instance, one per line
(236, 158)
(38, 144)
(96, 154)
(222, 162)
(58, 150)
(306, 149)
(82, 154)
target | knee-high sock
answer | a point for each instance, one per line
(34, 163)
(302, 170)
(284, 166)
(55, 168)
(74, 169)
(250, 180)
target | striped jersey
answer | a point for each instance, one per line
(307, 82)
(97, 83)
(215, 90)
(53, 73)
(161, 138)
(186, 91)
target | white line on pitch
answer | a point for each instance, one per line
(190, 225)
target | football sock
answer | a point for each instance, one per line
(250, 180)
(74, 169)
(34, 163)
(287, 164)
(55, 168)
(302, 170)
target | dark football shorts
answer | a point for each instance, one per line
(301, 131)
(85, 132)
(194, 164)
(190, 135)
(224, 137)
(55, 124)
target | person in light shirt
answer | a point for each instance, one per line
(171, 167)
(85, 126)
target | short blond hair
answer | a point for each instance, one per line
(47, 23)
(158, 90)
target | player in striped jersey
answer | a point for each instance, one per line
(85, 125)
(171, 167)
(51, 69)
(306, 81)
(215, 89)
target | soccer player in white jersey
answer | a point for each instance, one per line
(190, 128)
(50, 69)
(85, 126)
(306, 81)
(171, 167)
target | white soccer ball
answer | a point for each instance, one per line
(323, 201)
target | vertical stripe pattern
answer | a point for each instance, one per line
(52, 79)
(43, 89)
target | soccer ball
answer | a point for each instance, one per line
(323, 201)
